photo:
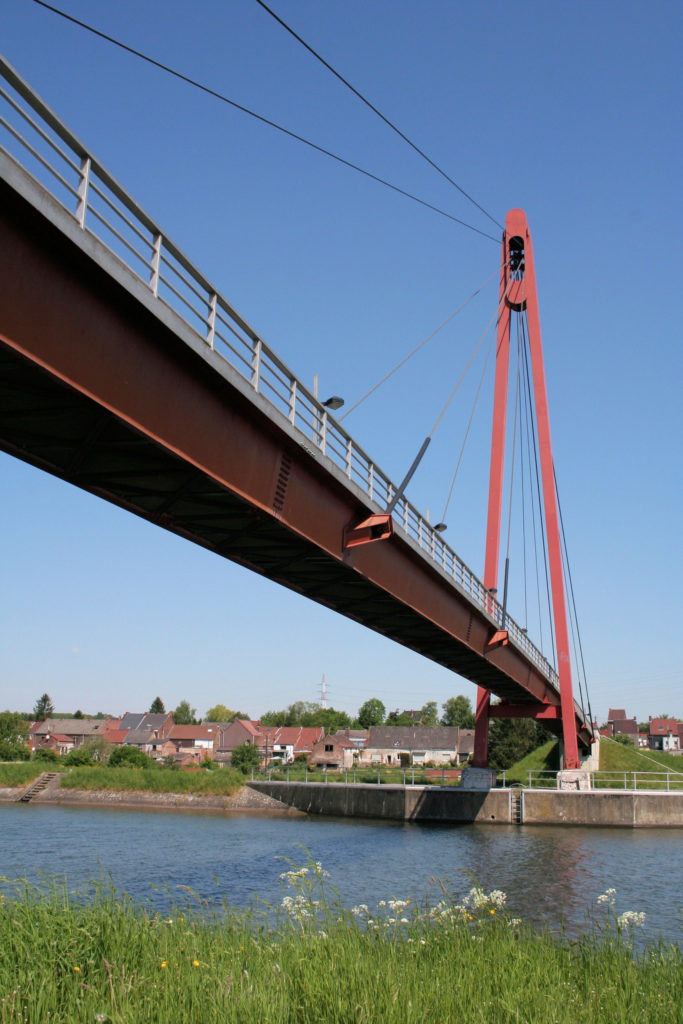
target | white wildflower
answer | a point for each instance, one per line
(631, 919)
(608, 897)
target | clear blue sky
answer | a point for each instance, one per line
(570, 111)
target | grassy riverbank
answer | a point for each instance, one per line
(102, 960)
(223, 782)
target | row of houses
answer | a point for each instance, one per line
(161, 738)
(663, 733)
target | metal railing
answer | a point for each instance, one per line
(42, 146)
(668, 782)
(361, 775)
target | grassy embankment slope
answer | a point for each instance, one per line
(614, 757)
(22, 773)
(223, 782)
(69, 961)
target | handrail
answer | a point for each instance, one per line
(103, 209)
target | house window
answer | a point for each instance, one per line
(328, 748)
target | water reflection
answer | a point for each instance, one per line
(551, 874)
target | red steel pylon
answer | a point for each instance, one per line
(518, 293)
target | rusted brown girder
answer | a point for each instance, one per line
(100, 391)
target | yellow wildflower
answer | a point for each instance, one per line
(195, 963)
(164, 963)
(76, 969)
(493, 910)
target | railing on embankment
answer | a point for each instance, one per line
(455, 805)
(664, 781)
(40, 145)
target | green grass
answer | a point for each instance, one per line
(20, 773)
(224, 782)
(543, 759)
(614, 757)
(104, 960)
(619, 757)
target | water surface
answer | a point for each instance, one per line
(550, 873)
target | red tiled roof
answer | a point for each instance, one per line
(193, 732)
(300, 737)
(115, 735)
(663, 726)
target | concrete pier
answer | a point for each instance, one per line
(623, 808)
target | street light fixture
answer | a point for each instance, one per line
(334, 403)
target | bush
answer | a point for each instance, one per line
(78, 756)
(245, 757)
(11, 751)
(130, 757)
(47, 755)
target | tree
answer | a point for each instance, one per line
(511, 739)
(429, 714)
(458, 711)
(371, 713)
(184, 714)
(13, 731)
(79, 714)
(157, 707)
(220, 713)
(43, 708)
(399, 718)
(245, 757)
(273, 718)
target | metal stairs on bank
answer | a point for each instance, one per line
(41, 783)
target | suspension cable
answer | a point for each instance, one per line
(259, 117)
(374, 109)
(418, 347)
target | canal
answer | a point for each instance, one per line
(552, 875)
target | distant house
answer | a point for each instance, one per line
(336, 751)
(413, 744)
(619, 725)
(58, 742)
(147, 732)
(664, 734)
(285, 743)
(234, 734)
(77, 730)
(193, 738)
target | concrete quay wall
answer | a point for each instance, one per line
(600, 808)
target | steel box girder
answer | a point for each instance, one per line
(75, 338)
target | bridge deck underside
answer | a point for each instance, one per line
(69, 436)
(96, 390)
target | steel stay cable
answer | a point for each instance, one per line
(572, 631)
(495, 317)
(374, 109)
(418, 347)
(571, 589)
(467, 431)
(533, 516)
(538, 489)
(259, 117)
(522, 424)
(514, 453)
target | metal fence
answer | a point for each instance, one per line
(666, 781)
(376, 775)
(38, 141)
